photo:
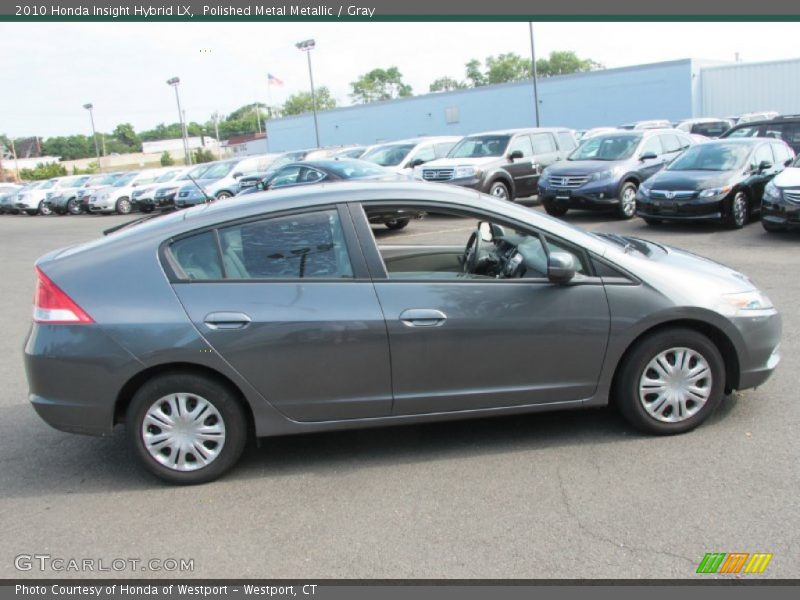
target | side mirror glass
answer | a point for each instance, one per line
(561, 267)
(649, 155)
(516, 154)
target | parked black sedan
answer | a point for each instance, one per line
(719, 180)
(310, 172)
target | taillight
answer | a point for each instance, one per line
(51, 305)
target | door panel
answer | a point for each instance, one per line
(494, 344)
(316, 351)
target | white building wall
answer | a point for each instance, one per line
(751, 87)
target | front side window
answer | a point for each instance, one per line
(744, 132)
(762, 154)
(478, 146)
(566, 141)
(653, 145)
(425, 153)
(543, 143)
(523, 144)
(388, 156)
(671, 143)
(285, 176)
(712, 156)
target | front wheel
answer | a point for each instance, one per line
(627, 201)
(670, 382)
(500, 190)
(738, 212)
(186, 428)
(123, 206)
(224, 195)
(74, 207)
(396, 224)
(44, 209)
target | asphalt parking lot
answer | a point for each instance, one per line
(559, 495)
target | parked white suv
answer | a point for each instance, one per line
(402, 156)
(32, 199)
(117, 196)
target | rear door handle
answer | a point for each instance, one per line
(422, 317)
(226, 320)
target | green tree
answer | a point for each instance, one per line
(299, 103)
(90, 169)
(68, 147)
(446, 84)
(380, 84)
(507, 67)
(201, 155)
(564, 62)
(166, 159)
(125, 134)
(474, 73)
(43, 171)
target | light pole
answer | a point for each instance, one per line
(307, 46)
(89, 106)
(533, 73)
(174, 81)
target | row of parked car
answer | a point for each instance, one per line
(652, 169)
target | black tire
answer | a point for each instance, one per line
(500, 190)
(44, 209)
(123, 206)
(626, 208)
(32, 213)
(652, 222)
(224, 195)
(626, 388)
(223, 399)
(396, 224)
(146, 209)
(554, 210)
(737, 212)
(771, 227)
(74, 207)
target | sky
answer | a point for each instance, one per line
(50, 70)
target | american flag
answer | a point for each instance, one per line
(272, 80)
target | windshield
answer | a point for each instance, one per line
(218, 171)
(712, 157)
(168, 176)
(125, 179)
(388, 156)
(78, 182)
(477, 146)
(607, 147)
(355, 169)
(194, 173)
(47, 185)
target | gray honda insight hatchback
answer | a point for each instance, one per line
(280, 313)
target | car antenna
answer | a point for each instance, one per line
(199, 187)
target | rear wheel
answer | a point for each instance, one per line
(123, 206)
(396, 224)
(670, 382)
(498, 189)
(738, 211)
(186, 428)
(627, 201)
(74, 207)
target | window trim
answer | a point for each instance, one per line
(353, 248)
(377, 268)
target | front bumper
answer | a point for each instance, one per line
(690, 209)
(781, 214)
(594, 194)
(761, 353)
(188, 201)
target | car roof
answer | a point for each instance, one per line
(745, 141)
(774, 121)
(419, 140)
(517, 130)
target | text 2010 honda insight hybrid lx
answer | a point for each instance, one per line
(279, 313)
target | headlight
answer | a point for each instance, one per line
(745, 303)
(715, 192)
(607, 174)
(772, 191)
(465, 172)
(544, 177)
(645, 190)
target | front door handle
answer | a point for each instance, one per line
(422, 317)
(226, 320)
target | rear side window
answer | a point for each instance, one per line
(566, 141)
(304, 246)
(543, 143)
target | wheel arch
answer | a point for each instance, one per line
(716, 335)
(503, 176)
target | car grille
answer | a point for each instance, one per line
(792, 196)
(568, 181)
(672, 195)
(437, 174)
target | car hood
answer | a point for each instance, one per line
(460, 162)
(690, 180)
(583, 167)
(788, 177)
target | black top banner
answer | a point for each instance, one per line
(142, 10)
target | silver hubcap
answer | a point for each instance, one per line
(629, 201)
(124, 206)
(183, 432)
(44, 209)
(739, 210)
(675, 385)
(499, 191)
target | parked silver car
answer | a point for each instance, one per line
(280, 313)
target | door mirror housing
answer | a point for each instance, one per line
(764, 165)
(561, 267)
(515, 155)
(417, 162)
(649, 155)
(237, 175)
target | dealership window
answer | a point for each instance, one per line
(522, 143)
(543, 143)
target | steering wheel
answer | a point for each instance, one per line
(473, 253)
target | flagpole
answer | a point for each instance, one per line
(269, 109)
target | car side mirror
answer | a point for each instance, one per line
(237, 175)
(417, 162)
(650, 155)
(788, 162)
(516, 154)
(764, 165)
(561, 267)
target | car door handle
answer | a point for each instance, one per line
(226, 320)
(422, 317)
